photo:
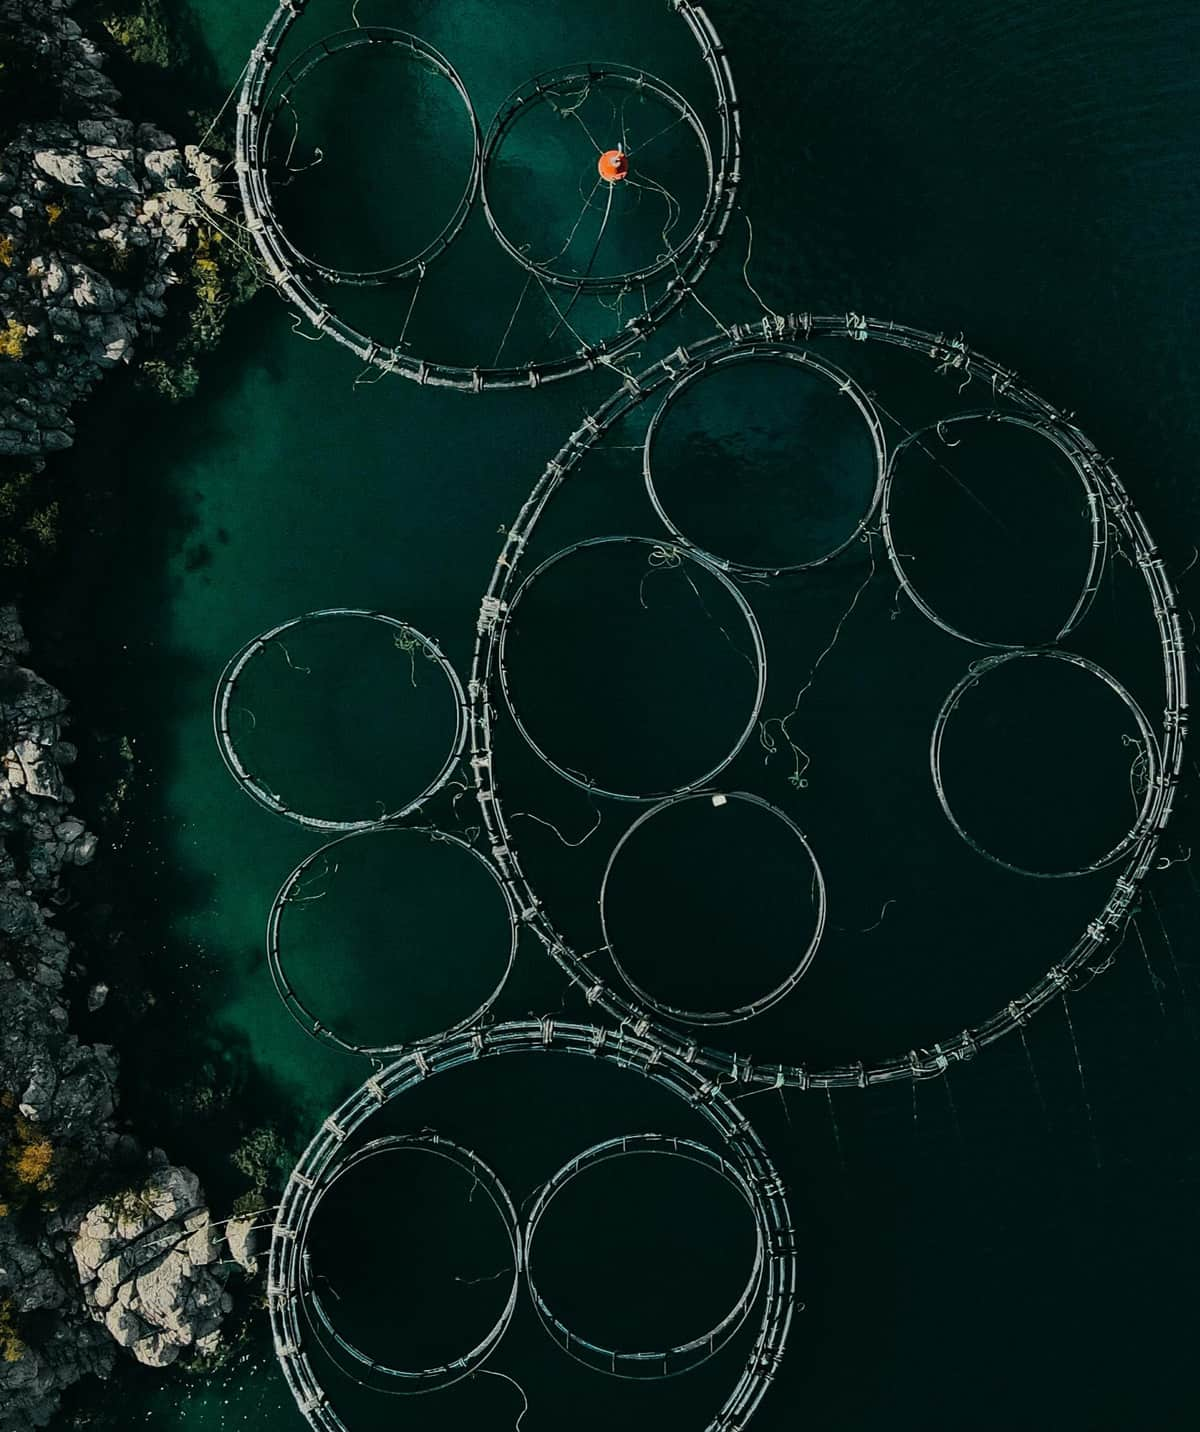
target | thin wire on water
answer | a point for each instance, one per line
(287, 656)
(1183, 992)
(837, 1133)
(770, 312)
(512, 320)
(801, 758)
(571, 844)
(587, 204)
(586, 272)
(666, 558)
(938, 463)
(1083, 1089)
(866, 929)
(1157, 984)
(237, 84)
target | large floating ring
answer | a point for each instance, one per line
(752, 1007)
(687, 554)
(280, 96)
(1143, 821)
(404, 1380)
(227, 686)
(296, 1007)
(683, 1357)
(293, 277)
(953, 357)
(741, 1148)
(771, 353)
(1085, 463)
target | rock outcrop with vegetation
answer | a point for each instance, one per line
(150, 1263)
(141, 1275)
(95, 212)
(57, 1095)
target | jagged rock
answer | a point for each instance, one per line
(244, 1242)
(74, 186)
(92, 290)
(69, 170)
(61, 1088)
(144, 1260)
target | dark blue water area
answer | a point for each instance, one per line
(1013, 1245)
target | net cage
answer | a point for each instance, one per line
(737, 1155)
(808, 873)
(654, 288)
(407, 640)
(322, 866)
(353, 1361)
(663, 556)
(1111, 518)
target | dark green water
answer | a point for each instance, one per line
(998, 1251)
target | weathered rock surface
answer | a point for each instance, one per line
(243, 1238)
(93, 209)
(57, 1104)
(146, 1260)
(61, 1090)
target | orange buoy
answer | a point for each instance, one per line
(613, 165)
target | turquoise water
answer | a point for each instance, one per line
(1001, 1252)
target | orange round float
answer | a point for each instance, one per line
(613, 165)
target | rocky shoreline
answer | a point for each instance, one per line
(95, 213)
(104, 1244)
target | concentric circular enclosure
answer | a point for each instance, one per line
(1082, 458)
(359, 1364)
(567, 84)
(780, 354)
(659, 554)
(1135, 856)
(294, 275)
(738, 1154)
(280, 98)
(409, 639)
(664, 1362)
(292, 889)
(772, 997)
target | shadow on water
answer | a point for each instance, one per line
(100, 624)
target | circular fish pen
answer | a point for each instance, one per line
(272, 233)
(407, 641)
(739, 1157)
(617, 172)
(1112, 517)
(776, 354)
(323, 865)
(665, 1362)
(751, 1007)
(1083, 461)
(1148, 808)
(323, 1326)
(659, 556)
(655, 287)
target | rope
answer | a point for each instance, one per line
(801, 759)
(487, 1372)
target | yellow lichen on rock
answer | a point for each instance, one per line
(30, 1156)
(12, 339)
(12, 1349)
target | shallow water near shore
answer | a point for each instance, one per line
(1014, 1247)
